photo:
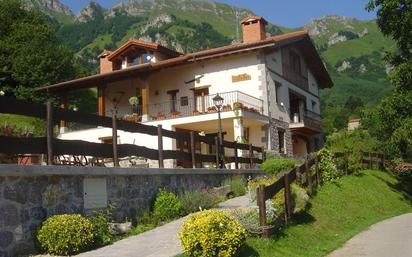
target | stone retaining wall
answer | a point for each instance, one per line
(30, 194)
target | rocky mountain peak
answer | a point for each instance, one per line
(48, 5)
(91, 11)
(320, 26)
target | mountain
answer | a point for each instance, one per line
(53, 8)
(353, 52)
(351, 49)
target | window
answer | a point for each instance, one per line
(295, 62)
(184, 101)
(314, 107)
(281, 137)
(278, 86)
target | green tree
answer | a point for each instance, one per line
(391, 121)
(30, 53)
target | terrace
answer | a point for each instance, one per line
(199, 105)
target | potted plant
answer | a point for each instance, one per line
(237, 106)
(212, 109)
(160, 116)
(226, 108)
(175, 114)
(195, 112)
(134, 102)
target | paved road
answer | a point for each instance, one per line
(159, 242)
(389, 238)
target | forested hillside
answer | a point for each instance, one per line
(352, 49)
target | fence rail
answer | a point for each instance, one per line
(306, 179)
(56, 147)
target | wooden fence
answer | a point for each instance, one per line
(53, 147)
(309, 179)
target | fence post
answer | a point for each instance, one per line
(262, 210)
(263, 154)
(346, 161)
(236, 155)
(160, 145)
(318, 176)
(193, 148)
(251, 155)
(49, 132)
(308, 176)
(383, 162)
(370, 160)
(217, 152)
(114, 138)
(288, 206)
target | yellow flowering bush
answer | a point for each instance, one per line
(211, 233)
(66, 234)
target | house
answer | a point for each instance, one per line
(270, 86)
(353, 124)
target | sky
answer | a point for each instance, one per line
(288, 13)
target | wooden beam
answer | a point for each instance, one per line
(145, 96)
(101, 98)
(49, 133)
(63, 105)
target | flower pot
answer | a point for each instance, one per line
(119, 228)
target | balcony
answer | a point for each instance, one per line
(201, 105)
(306, 122)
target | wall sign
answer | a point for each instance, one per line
(241, 77)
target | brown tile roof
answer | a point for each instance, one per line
(105, 53)
(301, 38)
(148, 45)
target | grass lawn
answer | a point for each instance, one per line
(339, 211)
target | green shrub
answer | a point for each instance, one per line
(66, 234)
(326, 166)
(237, 185)
(193, 201)
(167, 206)
(299, 200)
(271, 154)
(248, 218)
(276, 166)
(255, 183)
(211, 233)
(100, 222)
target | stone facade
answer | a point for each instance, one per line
(30, 194)
(274, 127)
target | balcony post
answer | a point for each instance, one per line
(101, 99)
(145, 99)
(63, 105)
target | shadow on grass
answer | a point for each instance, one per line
(302, 218)
(247, 251)
(403, 185)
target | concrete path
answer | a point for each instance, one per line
(159, 242)
(389, 238)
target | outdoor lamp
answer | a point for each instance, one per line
(218, 101)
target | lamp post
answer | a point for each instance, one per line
(218, 101)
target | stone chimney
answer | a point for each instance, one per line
(105, 65)
(254, 29)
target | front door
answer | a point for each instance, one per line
(183, 145)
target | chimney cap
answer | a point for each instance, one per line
(253, 18)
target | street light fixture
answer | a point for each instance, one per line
(218, 101)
